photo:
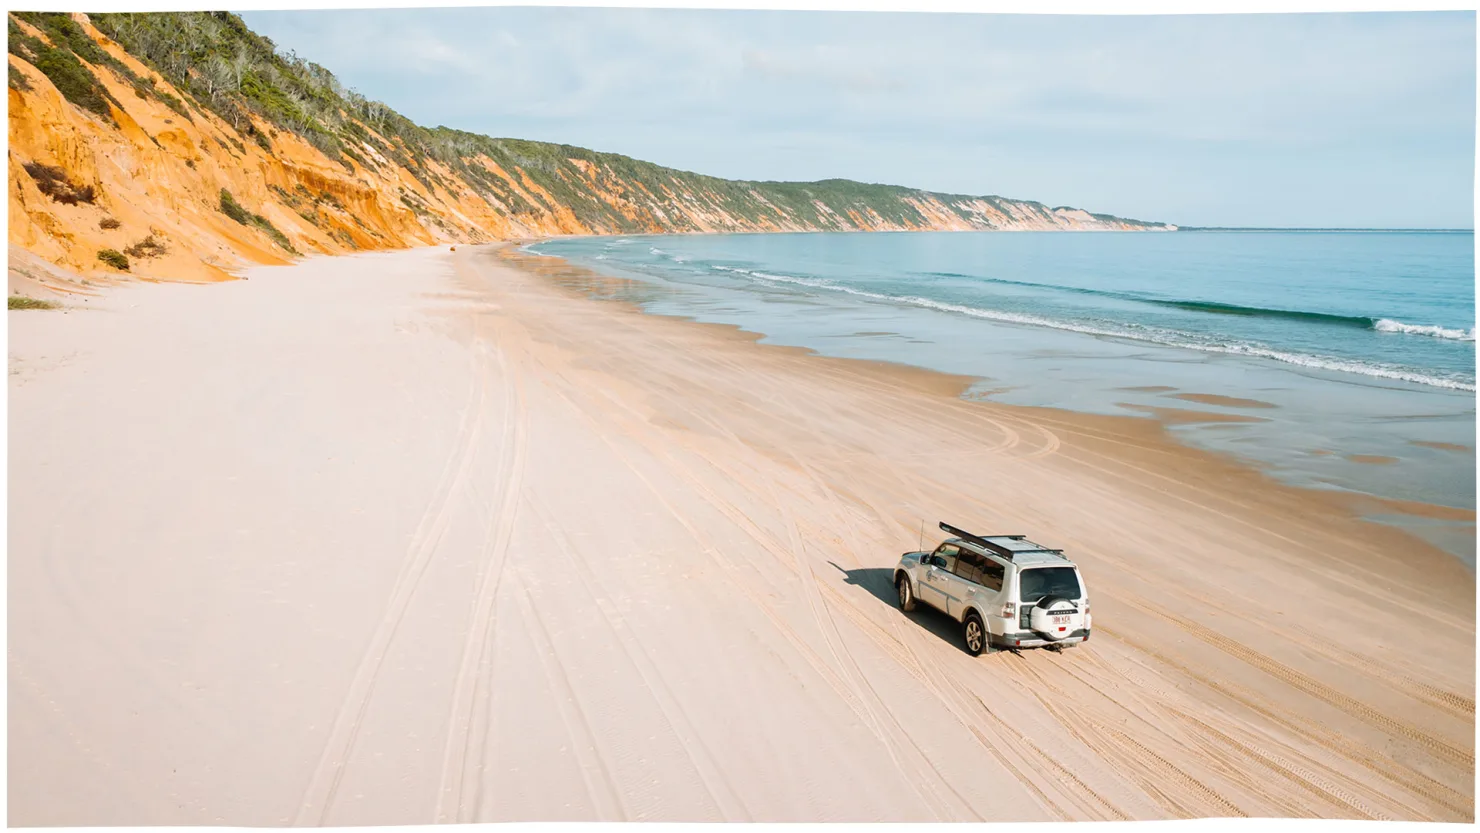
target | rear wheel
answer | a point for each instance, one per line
(906, 594)
(975, 634)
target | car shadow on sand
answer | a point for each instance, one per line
(879, 582)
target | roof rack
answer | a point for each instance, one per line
(985, 542)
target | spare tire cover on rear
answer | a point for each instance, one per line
(1041, 620)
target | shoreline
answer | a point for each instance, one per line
(425, 537)
(1154, 428)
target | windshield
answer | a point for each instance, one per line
(1048, 581)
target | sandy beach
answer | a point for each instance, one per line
(432, 536)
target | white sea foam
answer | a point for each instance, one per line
(1387, 325)
(1145, 334)
(534, 249)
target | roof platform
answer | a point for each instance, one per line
(1007, 546)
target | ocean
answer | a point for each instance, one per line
(1333, 360)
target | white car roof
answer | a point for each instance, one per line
(1034, 559)
(1025, 553)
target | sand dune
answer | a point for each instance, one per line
(432, 536)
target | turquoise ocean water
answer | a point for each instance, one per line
(1363, 342)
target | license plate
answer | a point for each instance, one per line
(1061, 620)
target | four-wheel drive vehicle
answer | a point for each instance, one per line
(1006, 591)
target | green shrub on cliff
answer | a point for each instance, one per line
(114, 258)
(22, 302)
(233, 209)
(234, 72)
(74, 81)
(62, 60)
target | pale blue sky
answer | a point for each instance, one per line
(1354, 120)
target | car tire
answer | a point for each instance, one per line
(906, 594)
(974, 635)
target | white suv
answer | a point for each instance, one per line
(1006, 591)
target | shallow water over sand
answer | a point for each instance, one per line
(1250, 344)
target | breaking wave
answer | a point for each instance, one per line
(1382, 325)
(1387, 325)
(1170, 338)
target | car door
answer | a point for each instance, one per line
(993, 580)
(964, 585)
(935, 586)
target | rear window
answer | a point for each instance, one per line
(1048, 581)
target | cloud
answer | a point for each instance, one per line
(826, 67)
(428, 54)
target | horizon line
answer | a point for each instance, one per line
(1456, 229)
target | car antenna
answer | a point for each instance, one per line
(922, 534)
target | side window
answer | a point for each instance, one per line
(948, 553)
(969, 566)
(992, 574)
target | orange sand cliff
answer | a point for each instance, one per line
(160, 174)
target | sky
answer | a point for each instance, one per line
(1303, 120)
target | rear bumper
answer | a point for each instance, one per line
(1032, 639)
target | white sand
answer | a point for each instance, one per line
(416, 537)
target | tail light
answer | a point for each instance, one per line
(1009, 610)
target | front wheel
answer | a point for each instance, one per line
(906, 594)
(975, 634)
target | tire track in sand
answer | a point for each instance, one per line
(606, 798)
(875, 712)
(847, 692)
(705, 764)
(878, 710)
(1399, 775)
(1458, 704)
(1149, 769)
(323, 784)
(1314, 688)
(464, 740)
(948, 690)
(1304, 777)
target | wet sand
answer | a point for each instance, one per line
(1462, 449)
(1188, 416)
(1225, 401)
(433, 536)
